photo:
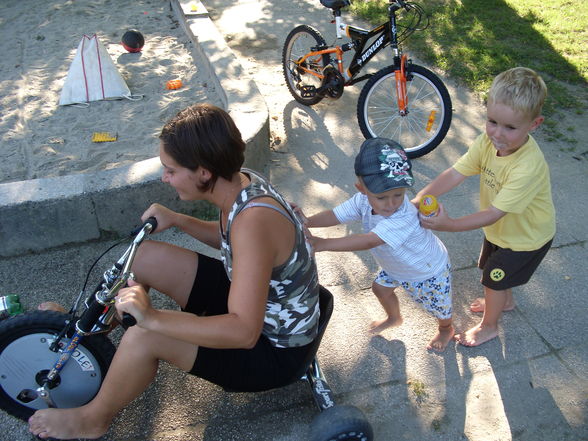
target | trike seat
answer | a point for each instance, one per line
(326, 308)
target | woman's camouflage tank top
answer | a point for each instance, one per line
(292, 309)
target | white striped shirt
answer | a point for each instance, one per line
(411, 253)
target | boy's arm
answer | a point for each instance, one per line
(443, 183)
(442, 222)
(353, 242)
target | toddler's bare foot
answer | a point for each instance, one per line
(479, 304)
(51, 306)
(66, 424)
(476, 335)
(442, 339)
(378, 326)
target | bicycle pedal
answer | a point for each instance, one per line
(308, 91)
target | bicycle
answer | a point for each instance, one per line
(404, 101)
(53, 359)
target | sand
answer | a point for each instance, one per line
(38, 40)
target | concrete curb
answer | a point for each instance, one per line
(44, 213)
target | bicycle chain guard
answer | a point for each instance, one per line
(333, 83)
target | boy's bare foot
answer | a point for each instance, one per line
(442, 339)
(66, 424)
(476, 335)
(479, 304)
(51, 306)
(378, 326)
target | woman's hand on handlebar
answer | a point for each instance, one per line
(135, 301)
(164, 216)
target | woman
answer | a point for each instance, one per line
(259, 304)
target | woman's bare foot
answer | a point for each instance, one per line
(66, 424)
(477, 335)
(51, 306)
(378, 326)
(442, 339)
(479, 305)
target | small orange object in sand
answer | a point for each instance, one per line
(173, 84)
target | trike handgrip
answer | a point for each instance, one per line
(128, 320)
(153, 223)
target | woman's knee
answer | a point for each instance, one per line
(137, 337)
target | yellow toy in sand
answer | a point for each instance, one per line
(104, 137)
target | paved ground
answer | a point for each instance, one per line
(529, 384)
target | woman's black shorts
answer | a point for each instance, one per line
(247, 370)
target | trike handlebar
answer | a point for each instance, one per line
(116, 278)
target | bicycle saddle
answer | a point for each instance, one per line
(335, 4)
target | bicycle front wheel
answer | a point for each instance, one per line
(299, 76)
(26, 358)
(428, 118)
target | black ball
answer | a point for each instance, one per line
(133, 40)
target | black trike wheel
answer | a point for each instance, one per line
(429, 110)
(298, 43)
(340, 423)
(25, 358)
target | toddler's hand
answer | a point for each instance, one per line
(298, 211)
(314, 241)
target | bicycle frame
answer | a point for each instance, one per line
(386, 35)
(96, 318)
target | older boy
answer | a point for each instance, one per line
(516, 208)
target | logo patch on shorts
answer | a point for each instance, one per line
(497, 274)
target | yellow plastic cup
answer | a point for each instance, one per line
(428, 206)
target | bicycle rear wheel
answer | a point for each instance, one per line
(298, 43)
(25, 359)
(429, 110)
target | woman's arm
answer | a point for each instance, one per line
(219, 331)
(261, 239)
(205, 231)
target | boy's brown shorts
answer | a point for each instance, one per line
(504, 268)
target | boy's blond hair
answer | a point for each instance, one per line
(521, 89)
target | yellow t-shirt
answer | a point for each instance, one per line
(517, 184)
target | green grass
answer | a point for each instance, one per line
(473, 40)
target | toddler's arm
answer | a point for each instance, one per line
(325, 218)
(353, 242)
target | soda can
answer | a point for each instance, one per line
(428, 206)
(9, 306)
